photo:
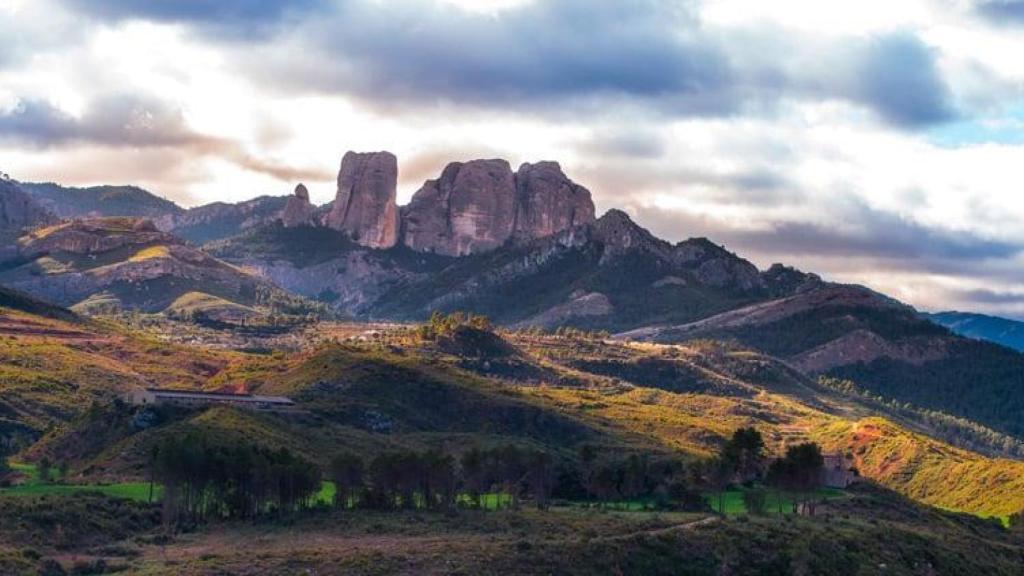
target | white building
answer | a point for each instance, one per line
(187, 398)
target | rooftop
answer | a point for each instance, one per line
(219, 396)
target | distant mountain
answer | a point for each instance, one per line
(96, 201)
(885, 347)
(109, 264)
(198, 225)
(609, 274)
(219, 220)
(1009, 333)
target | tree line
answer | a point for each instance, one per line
(798, 473)
(202, 480)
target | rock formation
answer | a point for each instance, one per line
(478, 205)
(471, 208)
(365, 207)
(548, 202)
(298, 211)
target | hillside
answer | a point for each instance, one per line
(112, 264)
(19, 212)
(220, 220)
(1003, 331)
(97, 201)
(326, 265)
(609, 274)
(853, 333)
(54, 366)
(555, 393)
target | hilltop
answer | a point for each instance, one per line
(119, 263)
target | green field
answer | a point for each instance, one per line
(139, 491)
(733, 505)
(32, 485)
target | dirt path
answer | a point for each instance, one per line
(660, 531)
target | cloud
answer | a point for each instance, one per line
(121, 120)
(577, 49)
(235, 18)
(859, 232)
(570, 58)
(899, 79)
(1002, 11)
(634, 142)
(986, 296)
(132, 121)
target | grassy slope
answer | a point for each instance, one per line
(199, 302)
(51, 369)
(928, 470)
(369, 400)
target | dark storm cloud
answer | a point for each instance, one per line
(900, 80)
(569, 57)
(425, 52)
(561, 58)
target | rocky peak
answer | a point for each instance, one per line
(784, 280)
(298, 211)
(365, 207)
(471, 208)
(620, 234)
(548, 201)
(478, 205)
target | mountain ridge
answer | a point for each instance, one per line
(1004, 331)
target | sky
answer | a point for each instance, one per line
(879, 142)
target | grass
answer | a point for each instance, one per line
(733, 504)
(33, 485)
(158, 251)
(199, 302)
(928, 470)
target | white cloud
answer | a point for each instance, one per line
(796, 145)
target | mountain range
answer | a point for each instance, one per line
(611, 341)
(523, 247)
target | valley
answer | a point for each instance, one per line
(585, 379)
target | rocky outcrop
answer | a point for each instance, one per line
(477, 206)
(92, 236)
(471, 208)
(298, 211)
(365, 207)
(125, 260)
(548, 201)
